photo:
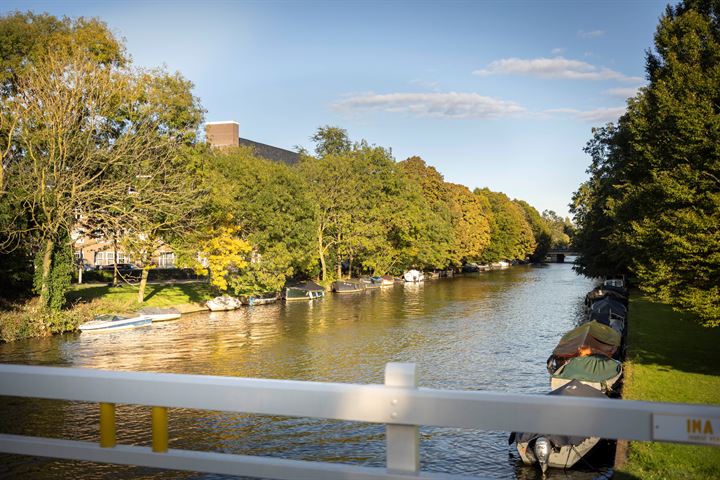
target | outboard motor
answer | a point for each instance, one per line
(542, 452)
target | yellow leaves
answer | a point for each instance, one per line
(223, 253)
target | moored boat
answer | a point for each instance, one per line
(557, 451)
(609, 311)
(157, 314)
(341, 286)
(371, 282)
(306, 290)
(591, 338)
(387, 280)
(223, 303)
(111, 323)
(598, 371)
(414, 276)
(264, 299)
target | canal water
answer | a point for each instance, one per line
(485, 331)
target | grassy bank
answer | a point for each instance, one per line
(672, 359)
(124, 298)
(85, 301)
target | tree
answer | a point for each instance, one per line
(270, 205)
(511, 236)
(560, 229)
(86, 144)
(432, 234)
(540, 230)
(471, 223)
(652, 203)
(331, 141)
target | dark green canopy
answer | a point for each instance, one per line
(595, 368)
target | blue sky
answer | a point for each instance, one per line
(496, 94)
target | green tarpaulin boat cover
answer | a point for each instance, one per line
(595, 368)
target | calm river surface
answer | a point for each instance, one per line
(487, 331)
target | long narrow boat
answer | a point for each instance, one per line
(557, 451)
(306, 290)
(341, 286)
(157, 314)
(111, 323)
(265, 299)
(223, 303)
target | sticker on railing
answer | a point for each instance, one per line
(682, 428)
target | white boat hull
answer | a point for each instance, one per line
(114, 325)
(414, 276)
(223, 304)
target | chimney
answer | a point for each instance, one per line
(222, 134)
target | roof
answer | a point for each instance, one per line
(271, 153)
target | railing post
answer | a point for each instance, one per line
(159, 429)
(403, 441)
(107, 425)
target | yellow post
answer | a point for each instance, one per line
(159, 429)
(107, 425)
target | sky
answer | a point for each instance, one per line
(492, 94)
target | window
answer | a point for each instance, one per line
(106, 258)
(166, 260)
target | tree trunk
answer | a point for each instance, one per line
(350, 268)
(80, 272)
(116, 274)
(143, 282)
(321, 254)
(339, 267)
(46, 268)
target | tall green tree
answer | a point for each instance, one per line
(471, 224)
(652, 203)
(269, 204)
(88, 143)
(434, 239)
(511, 236)
(540, 230)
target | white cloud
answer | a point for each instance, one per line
(591, 34)
(597, 115)
(439, 105)
(622, 92)
(557, 67)
(557, 51)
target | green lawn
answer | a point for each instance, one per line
(672, 359)
(124, 298)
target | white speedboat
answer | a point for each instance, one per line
(413, 276)
(110, 323)
(157, 314)
(224, 303)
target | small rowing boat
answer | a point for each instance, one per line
(223, 303)
(265, 299)
(110, 323)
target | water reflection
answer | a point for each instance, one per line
(488, 331)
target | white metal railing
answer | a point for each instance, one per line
(398, 403)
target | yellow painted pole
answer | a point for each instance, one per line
(159, 429)
(107, 425)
